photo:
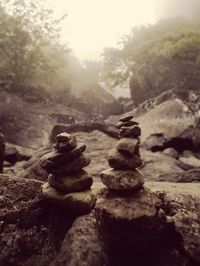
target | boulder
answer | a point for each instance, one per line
(140, 208)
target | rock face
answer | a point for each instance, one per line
(68, 184)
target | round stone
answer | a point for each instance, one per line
(117, 160)
(66, 145)
(54, 158)
(64, 136)
(78, 202)
(126, 118)
(79, 181)
(74, 166)
(122, 180)
(126, 124)
(128, 145)
(171, 152)
(130, 132)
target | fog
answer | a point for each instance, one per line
(173, 8)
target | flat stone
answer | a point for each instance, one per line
(71, 167)
(126, 124)
(79, 202)
(126, 118)
(56, 157)
(64, 136)
(78, 181)
(128, 145)
(67, 145)
(141, 207)
(118, 160)
(130, 132)
(122, 180)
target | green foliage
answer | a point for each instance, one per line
(26, 30)
(157, 58)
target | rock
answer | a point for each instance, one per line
(126, 124)
(126, 118)
(56, 158)
(63, 137)
(128, 146)
(78, 202)
(82, 245)
(2, 152)
(66, 145)
(155, 142)
(17, 193)
(190, 176)
(130, 132)
(171, 152)
(71, 183)
(184, 212)
(140, 208)
(71, 167)
(122, 180)
(32, 231)
(117, 160)
(11, 154)
(191, 160)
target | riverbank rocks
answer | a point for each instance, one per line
(68, 184)
(128, 214)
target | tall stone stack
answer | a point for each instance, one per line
(127, 212)
(124, 159)
(68, 184)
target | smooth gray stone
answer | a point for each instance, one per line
(78, 181)
(130, 132)
(118, 160)
(122, 180)
(128, 145)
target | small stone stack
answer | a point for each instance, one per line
(125, 158)
(68, 184)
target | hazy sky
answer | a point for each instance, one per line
(94, 24)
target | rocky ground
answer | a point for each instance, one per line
(34, 232)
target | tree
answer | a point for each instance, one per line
(156, 58)
(26, 28)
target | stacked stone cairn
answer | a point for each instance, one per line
(68, 184)
(127, 213)
(125, 159)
